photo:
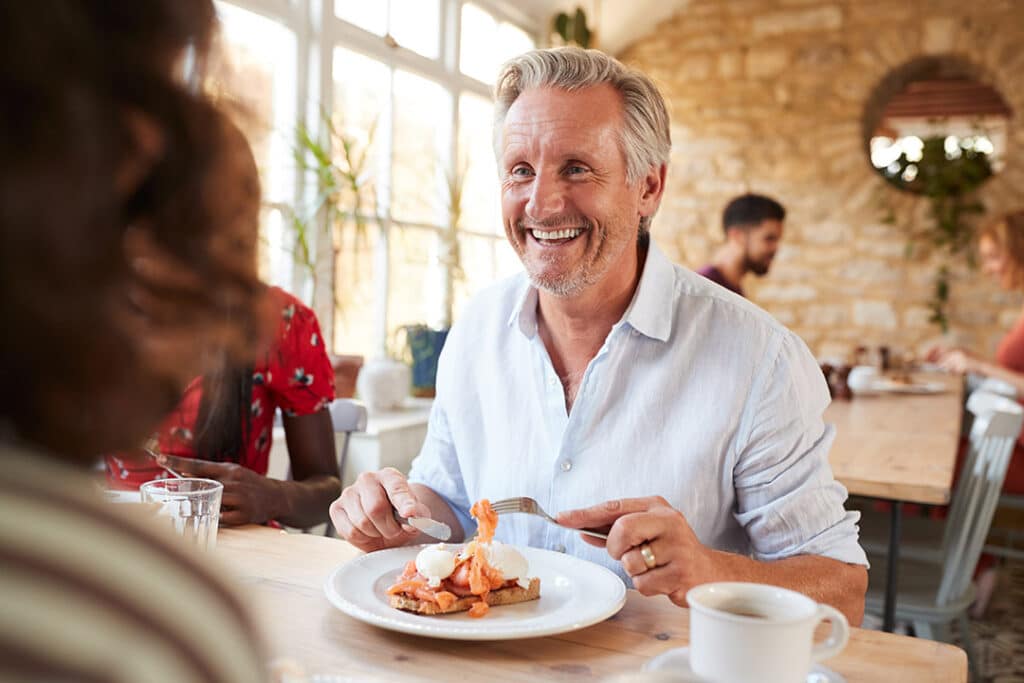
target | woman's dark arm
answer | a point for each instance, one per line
(302, 501)
(316, 482)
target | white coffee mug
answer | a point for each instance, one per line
(751, 633)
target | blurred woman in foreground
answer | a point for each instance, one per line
(117, 286)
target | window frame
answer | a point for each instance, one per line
(318, 31)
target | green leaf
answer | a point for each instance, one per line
(561, 25)
(580, 32)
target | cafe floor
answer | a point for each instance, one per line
(998, 637)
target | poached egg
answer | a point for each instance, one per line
(437, 562)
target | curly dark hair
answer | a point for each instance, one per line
(77, 77)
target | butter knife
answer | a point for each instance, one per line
(434, 529)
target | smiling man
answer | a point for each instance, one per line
(630, 394)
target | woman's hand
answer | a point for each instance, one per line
(959, 361)
(934, 353)
(674, 561)
(249, 498)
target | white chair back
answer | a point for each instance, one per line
(992, 385)
(997, 424)
(347, 416)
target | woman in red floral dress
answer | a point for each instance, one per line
(223, 429)
(223, 426)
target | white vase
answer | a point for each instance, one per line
(383, 384)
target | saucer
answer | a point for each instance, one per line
(677, 661)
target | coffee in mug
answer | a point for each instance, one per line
(751, 633)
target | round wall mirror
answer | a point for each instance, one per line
(934, 127)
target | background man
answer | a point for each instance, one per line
(753, 231)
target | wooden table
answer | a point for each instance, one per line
(898, 447)
(283, 576)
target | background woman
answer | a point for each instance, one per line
(222, 429)
(1001, 250)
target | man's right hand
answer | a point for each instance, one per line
(364, 513)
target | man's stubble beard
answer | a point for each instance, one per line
(758, 268)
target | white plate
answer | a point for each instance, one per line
(889, 387)
(574, 594)
(677, 661)
(115, 496)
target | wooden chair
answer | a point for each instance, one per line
(937, 560)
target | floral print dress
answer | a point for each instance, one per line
(295, 376)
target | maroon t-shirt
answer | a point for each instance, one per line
(716, 276)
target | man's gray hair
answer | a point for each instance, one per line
(646, 140)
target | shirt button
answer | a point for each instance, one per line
(566, 465)
(635, 332)
(559, 548)
(553, 381)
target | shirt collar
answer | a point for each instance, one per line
(647, 312)
(525, 312)
(654, 304)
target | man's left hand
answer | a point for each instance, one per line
(679, 560)
(249, 498)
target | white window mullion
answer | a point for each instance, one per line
(382, 252)
(351, 37)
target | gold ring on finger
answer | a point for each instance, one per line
(648, 555)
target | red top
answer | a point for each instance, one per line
(295, 376)
(1010, 355)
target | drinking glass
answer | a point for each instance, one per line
(191, 505)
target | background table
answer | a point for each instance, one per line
(282, 575)
(898, 447)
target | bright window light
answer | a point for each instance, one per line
(488, 43)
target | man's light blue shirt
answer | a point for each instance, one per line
(697, 396)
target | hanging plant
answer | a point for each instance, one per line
(946, 171)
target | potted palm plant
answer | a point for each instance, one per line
(337, 161)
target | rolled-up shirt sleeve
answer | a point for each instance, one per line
(437, 466)
(787, 499)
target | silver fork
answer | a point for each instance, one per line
(508, 506)
(152, 449)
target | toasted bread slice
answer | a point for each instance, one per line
(502, 596)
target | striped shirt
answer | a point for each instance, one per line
(90, 592)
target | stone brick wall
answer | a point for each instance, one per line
(769, 96)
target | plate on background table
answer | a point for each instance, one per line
(116, 496)
(574, 594)
(887, 386)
